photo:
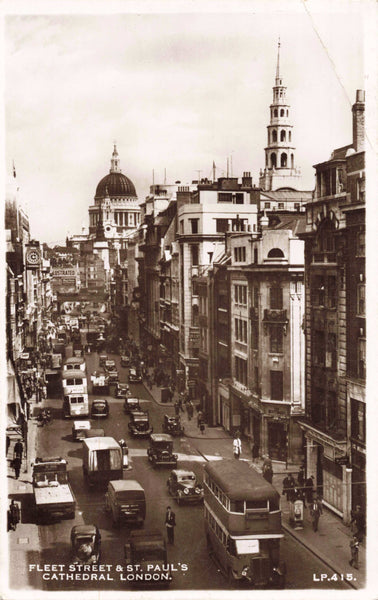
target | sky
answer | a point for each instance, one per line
(175, 90)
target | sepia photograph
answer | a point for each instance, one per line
(184, 350)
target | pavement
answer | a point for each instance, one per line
(330, 543)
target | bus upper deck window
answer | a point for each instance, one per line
(237, 506)
(256, 505)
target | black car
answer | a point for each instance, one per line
(100, 408)
(85, 545)
(111, 369)
(125, 360)
(139, 425)
(135, 376)
(184, 486)
(131, 404)
(172, 425)
(122, 390)
(160, 451)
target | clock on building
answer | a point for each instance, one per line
(33, 257)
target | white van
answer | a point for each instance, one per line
(75, 405)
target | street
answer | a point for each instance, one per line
(193, 567)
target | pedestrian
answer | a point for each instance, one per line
(199, 419)
(315, 512)
(354, 545)
(18, 449)
(190, 409)
(289, 487)
(177, 409)
(301, 485)
(170, 524)
(255, 451)
(202, 427)
(358, 523)
(16, 465)
(237, 447)
(267, 470)
(13, 515)
(309, 489)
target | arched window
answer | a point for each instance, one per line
(275, 112)
(276, 253)
(283, 159)
(283, 135)
(282, 112)
(289, 136)
(292, 161)
(287, 113)
(273, 159)
(274, 135)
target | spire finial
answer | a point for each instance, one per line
(114, 160)
(278, 59)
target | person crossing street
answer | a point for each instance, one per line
(170, 524)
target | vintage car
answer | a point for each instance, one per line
(102, 359)
(172, 425)
(125, 360)
(160, 451)
(100, 408)
(122, 390)
(85, 545)
(184, 487)
(146, 554)
(139, 425)
(135, 375)
(111, 369)
(126, 500)
(131, 404)
(79, 429)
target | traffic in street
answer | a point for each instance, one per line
(192, 565)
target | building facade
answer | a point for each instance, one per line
(335, 321)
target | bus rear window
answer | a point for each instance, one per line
(237, 506)
(256, 505)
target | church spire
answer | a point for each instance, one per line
(278, 80)
(114, 163)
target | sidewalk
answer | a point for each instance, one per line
(330, 543)
(24, 542)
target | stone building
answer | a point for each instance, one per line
(335, 321)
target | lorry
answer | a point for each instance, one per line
(52, 492)
(100, 383)
(102, 461)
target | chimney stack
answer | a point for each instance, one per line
(358, 111)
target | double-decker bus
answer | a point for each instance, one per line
(243, 524)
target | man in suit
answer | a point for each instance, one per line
(170, 523)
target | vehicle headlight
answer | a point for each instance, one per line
(198, 490)
(186, 491)
(245, 571)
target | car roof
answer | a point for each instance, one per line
(133, 398)
(182, 472)
(139, 414)
(120, 485)
(84, 529)
(74, 359)
(81, 424)
(100, 401)
(101, 443)
(161, 437)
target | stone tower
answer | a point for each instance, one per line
(280, 170)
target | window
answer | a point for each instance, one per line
(331, 291)
(283, 159)
(276, 298)
(274, 135)
(194, 254)
(241, 330)
(255, 335)
(195, 316)
(331, 351)
(276, 338)
(276, 253)
(239, 198)
(360, 250)
(181, 226)
(361, 300)
(319, 348)
(283, 135)
(266, 204)
(318, 291)
(289, 131)
(358, 420)
(273, 160)
(281, 205)
(241, 370)
(224, 197)
(221, 225)
(241, 294)
(361, 358)
(194, 225)
(240, 254)
(276, 385)
(297, 205)
(255, 255)
(275, 112)
(282, 112)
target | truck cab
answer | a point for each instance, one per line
(52, 492)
